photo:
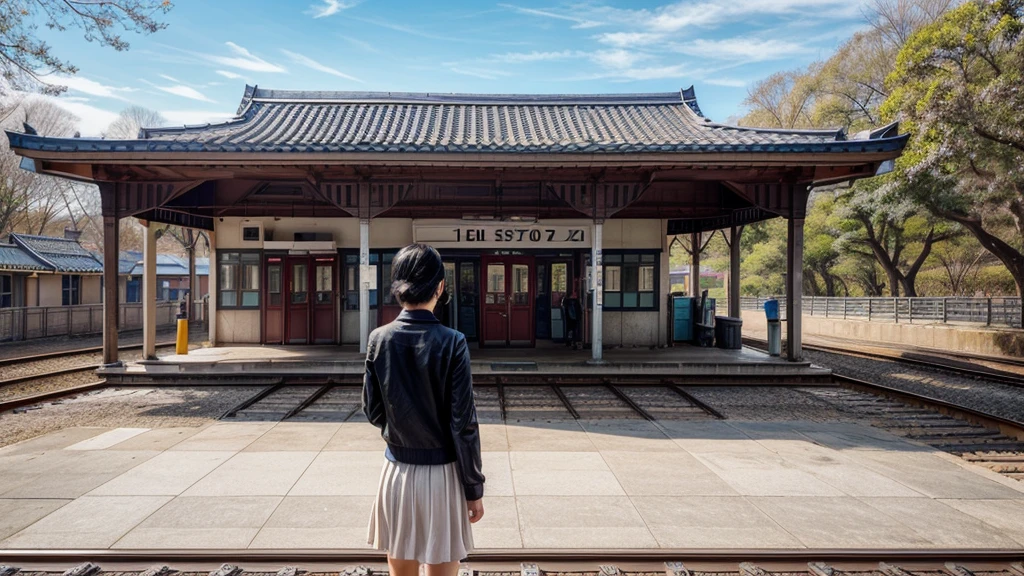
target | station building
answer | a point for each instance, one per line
(307, 196)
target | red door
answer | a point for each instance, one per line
(273, 311)
(297, 307)
(324, 273)
(507, 309)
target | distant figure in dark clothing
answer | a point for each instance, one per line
(572, 312)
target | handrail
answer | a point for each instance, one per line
(988, 311)
(30, 322)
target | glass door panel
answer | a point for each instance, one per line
(300, 284)
(559, 287)
(468, 299)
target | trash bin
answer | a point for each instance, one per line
(682, 319)
(727, 333)
(771, 309)
(775, 337)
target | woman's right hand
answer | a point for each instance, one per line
(476, 510)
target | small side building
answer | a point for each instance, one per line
(74, 275)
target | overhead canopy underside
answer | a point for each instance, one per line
(365, 154)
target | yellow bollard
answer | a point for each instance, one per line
(181, 346)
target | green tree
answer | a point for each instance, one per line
(25, 59)
(879, 224)
(820, 253)
(957, 86)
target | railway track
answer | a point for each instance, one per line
(502, 398)
(934, 361)
(59, 371)
(44, 380)
(545, 563)
(72, 352)
(976, 436)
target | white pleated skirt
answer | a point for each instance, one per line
(420, 514)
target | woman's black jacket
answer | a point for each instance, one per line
(419, 391)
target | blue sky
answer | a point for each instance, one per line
(195, 70)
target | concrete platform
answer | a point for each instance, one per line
(683, 362)
(622, 484)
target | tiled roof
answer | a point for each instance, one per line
(14, 257)
(126, 261)
(167, 265)
(310, 122)
(62, 254)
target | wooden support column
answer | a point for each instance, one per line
(597, 286)
(734, 271)
(149, 292)
(695, 242)
(111, 246)
(364, 284)
(794, 288)
(211, 308)
(193, 284)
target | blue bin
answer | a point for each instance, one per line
(771, 309)
(682, 318)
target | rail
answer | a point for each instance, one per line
(29, 322)
(984, 311)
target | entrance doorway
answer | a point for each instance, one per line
(300, 304)
(507, 311)
(553, 278)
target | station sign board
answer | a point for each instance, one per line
(502, 235)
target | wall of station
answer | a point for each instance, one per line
(620, 328)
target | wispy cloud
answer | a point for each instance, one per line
(92, 87)
(230, 75)
(313, 64)
(179, 117)
(170, 79)
(329, 8)
(577, 22)
(627, 39)
(618, 59)
(482, 73)
(462, 39)
(362, 44)
(244, 60)
(180, 90)
(92, 121)
(727, 82)
(526, 57)
(742, 48)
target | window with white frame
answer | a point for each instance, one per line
(238, 280)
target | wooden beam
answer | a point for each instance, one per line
(111, 306)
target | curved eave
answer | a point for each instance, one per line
(161, 152)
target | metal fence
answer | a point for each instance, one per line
(985, 311)
(26, 323)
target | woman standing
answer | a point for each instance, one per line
(418, 390)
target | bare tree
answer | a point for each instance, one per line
(131, 120)
(783, 100)
(31, 202)
(896, 20)
(25, 58)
